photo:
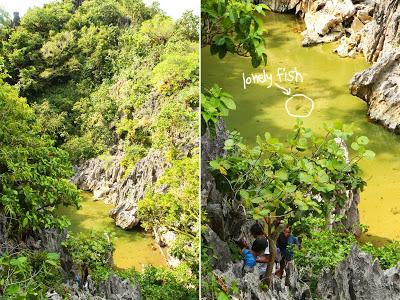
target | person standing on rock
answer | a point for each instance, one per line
(257, 231)
(286, 243)
(249, 256)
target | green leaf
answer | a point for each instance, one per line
(214, 164)
(257, 200)
(229, 103)
(355, 146)
(363, 140)
(223, 296)
(368, 154)
(282, 175)
(244, 194)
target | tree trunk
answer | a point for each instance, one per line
(272, 238)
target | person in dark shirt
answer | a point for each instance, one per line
(286, 243)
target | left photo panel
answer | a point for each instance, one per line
(99, 149)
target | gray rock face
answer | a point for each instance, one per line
(326, 21)
(249, 284)
(225, 218)
(379, 86)
(282, 6)
(118, 289)
(219, 250)
(109, 184)
(382, 33)
(359, 277)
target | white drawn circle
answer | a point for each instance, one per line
(299, 116)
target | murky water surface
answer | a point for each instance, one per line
(134, 248)
(326, 76)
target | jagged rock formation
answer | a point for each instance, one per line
(225, 218)
(110, 184)
(359, 277)
(289, 288)
(379, 86)
(114, 288)
(356, 277)
(329, 20)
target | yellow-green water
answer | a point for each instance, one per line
(326, 78)
(134, 248)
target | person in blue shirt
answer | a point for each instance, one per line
(286, 243)
(249, 256)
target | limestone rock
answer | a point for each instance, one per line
(118, 289)
(325, 21)
(359, 277)
(107, 182)
(379, 86)
(382, 33)
(289, 288)
(282, 6)
(219, 250)
(225, 219)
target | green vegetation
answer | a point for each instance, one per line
(323, 248)
(215, 104)
(177, 210)
(34, 173)
(282, 178)
(77, 79)
(95, 250)
(27, 275)
(234, 26)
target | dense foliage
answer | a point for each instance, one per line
(34, 174)
(215, 104)
(94, 249)
(323, 248)
(234, 26)
(90, 72)
(159, 284)
(176, 210)
(100, 75)
(27, 275)
(284, 178)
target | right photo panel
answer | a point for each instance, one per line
(300, 122)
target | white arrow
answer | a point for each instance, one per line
(285, 91)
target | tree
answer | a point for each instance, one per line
(287, 181)
(234, 26)
(34, 175)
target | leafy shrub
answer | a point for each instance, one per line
(95, 249)
(28, 275)
(215, 104)
(388, 255)
(176, 209)
(34, 175)
(133, 154)
(161, 284)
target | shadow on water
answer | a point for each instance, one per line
(326, 79)
(134, 248)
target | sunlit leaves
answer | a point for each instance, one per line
(215, 104)
(304, 175)
(35, 175)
